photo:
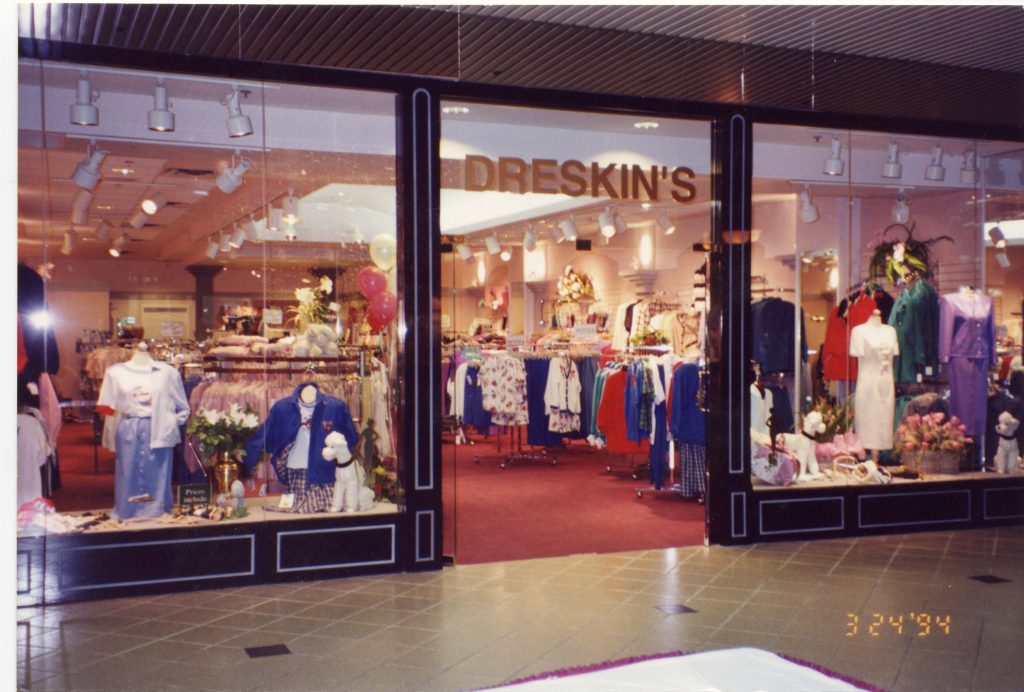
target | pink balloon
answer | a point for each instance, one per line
(382, 311)
(371, 281)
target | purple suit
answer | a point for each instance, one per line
(967, 342)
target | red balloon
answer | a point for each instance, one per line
(371, 281)
(382, 311)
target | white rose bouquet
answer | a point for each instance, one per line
(314, 303)
(223, 431)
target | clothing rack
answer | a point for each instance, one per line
(516, 451)
(762, 291)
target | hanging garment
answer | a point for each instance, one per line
(915, 316)
(562, 395)
(686, 420)
(503, 379)
(620, 333)
(142, 476)
(587, 367)
(967, 342)
(473, 406)
(610, 419)
(782, 407)
(773, 330)
(692, 470)
(537, 433)
(761, 404)
(457, 391)
(657, 456)
(875, 344)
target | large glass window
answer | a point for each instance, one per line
(883, 319)
(217, 262)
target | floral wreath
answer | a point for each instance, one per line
(902, 260)
(574, 286)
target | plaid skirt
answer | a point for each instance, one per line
(309, 497)
(692, 468)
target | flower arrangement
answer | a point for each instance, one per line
(901, 260)
(574, 286)
(648, 337)
(838, 418)
(314, 303)
(385, 480)
(931, 432)
(223, 431)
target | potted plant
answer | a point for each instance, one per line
(931, 444)
(222, 436)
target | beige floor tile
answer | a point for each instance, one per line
(866, 671)
(168, 650)
(283, 607)
(206, 634)
(155, 629)
(450, 681)
(245, 620)
(295, 625)
(195, 616)
(933, 670)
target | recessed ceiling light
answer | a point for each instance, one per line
(454, 110)
(103, 207)
(645, 125)
(201, 193)
(123, 170)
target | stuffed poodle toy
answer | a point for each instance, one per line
(1008, 452)
(350, 493)
(803, 447)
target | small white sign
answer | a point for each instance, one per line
(515, 342)
(172, 328)
(273, 316)
(287, 501)
(585, 331)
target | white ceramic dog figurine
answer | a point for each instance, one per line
(1008, 452)
(349, 492)
(803, 447)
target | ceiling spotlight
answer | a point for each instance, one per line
(892, 168)
(969, 169)
(289, 233)
(606, 223)
(901, 210)
(275, 219)
(569, 230)
(833, 164)
(118, 246)
(291, 208)
(530, 239)
(237, 238)
(620, 224)
(80, 207)
(70, 239)
(666, 225)
(249, 227)
(997, 237)
(493, 246)
(103, 230)
(935, 171)
(83, 112)
(464, 252)
(87, 172)
(153, 203)
(138, 219)
(212, 248)
(505, 255)
(1003, 259)
(808, 209)
(556, 234)
(224, 242)
(238, 125)
(231, 177)
(161, 119)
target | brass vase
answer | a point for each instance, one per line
(225, 471)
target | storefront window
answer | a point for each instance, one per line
(873, 265)
(216, 254)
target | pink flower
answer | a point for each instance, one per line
(909, 445)
(925, 445)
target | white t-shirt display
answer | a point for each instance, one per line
(152, 391)
(875, 344)
(298, 455)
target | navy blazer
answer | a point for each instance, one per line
(277, 433)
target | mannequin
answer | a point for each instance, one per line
(967, 344)
(875, 344)
(140, 356)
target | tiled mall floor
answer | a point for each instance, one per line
(473, 626)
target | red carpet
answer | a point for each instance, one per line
(532, 509)
(81, 487)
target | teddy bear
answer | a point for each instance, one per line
(803, 447)
(350, 492)
(318, 341)
(1008, 452)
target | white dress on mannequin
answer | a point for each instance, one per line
(875, 344)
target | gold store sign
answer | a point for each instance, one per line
(576, 179)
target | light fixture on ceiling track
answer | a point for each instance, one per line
(569, 230)
(556, 234)
(138, 219)
(530, 238)
(290, 206)
(901, 210)
(153, 203)
(834, 164)
(118, 245)
(275, 219)
(83, 112)
(493, 246)
(230, 178)
(997, 237)
(238, 125)
(103, 230)
(464, 252)
(251, 233)
(620, 223)
(212, 248)
(505, 255)
(808, 209)
(224, 242)
(87, 172)
(606, 223)
(80, 207)
(935, 171)
(892, 167)
(70, 240)
(666, 225)
(289, 233)
(237, 238)
(969, 169)
(161, 119)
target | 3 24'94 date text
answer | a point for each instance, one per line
(899, 624)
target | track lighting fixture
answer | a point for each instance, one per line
(249, 227)
(493, 246)
(161, 119)
(70, 239)
(505, 255)
(238, 125)
(892, 167)
(80, 207)
(83, 112)
(230, 178)
(530, 239)
(138, 219)
(237, 237)
(620, 224)
(556, 234)
(212, 248)
(606, 223)
(290, 206)
(935, 171)
(103, 230)
(834, 165)
(969, 169)
(666, 225)
(118, 246)
(997, 237)
(224, 242)
(1003, 259)
(153, 203)
(275, 219)
(464, 252)
(87, 172)
(901, 210)
(569, 230)
(289, 233)
(808, 209)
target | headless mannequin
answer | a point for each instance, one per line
(140, 357)
(875, 321)
(308, 394)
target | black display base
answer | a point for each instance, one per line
(54, 569)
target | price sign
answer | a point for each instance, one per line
(585, 331)
(194, 495)
(472, 353)
(273, 316)
(172, 328)
(515, 342)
